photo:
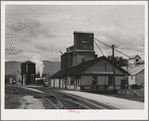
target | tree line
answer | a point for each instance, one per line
(120, 61)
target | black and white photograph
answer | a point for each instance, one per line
(74, 60)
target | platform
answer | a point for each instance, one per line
(108, 100)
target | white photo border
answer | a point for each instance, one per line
(64, 114)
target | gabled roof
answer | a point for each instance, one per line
(74, 70)
(132, 57)
(134, 70)
(81, 32)
(28, 62)
(139, 71)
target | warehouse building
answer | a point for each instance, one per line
(136, 70)
(82, 70)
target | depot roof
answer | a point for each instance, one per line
(74, 70)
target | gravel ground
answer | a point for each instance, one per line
(22, 100)
(12, 102)
(28, 102)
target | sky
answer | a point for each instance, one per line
(44, 30)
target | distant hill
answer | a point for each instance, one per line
(11, 67)
(49, 67)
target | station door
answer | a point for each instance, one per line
(124, 84)
(94, 82)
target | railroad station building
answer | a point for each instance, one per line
(82, 70)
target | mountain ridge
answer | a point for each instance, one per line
(50, 67)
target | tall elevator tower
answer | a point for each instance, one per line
(83, 47)
(82, 50)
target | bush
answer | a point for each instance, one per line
(135, 86)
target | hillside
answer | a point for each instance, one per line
(49, 67)
(11, 67)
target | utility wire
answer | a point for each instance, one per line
(99, 48)
(102, 42)
(122, 53)
(110, 47)
(130, 49)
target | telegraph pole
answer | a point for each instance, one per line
(105, 78)
(113, 67)
(66, 71)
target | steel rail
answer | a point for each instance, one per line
(54, 105)
(35, 94)
(60, 102)
(9, 91)
(84, 103)
(80, 104)
(93, 104)
(88, 104)
(44, 98)
(58, 98)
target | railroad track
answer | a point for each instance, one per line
(60, 100)
(56, 101)
(88, 104)
(10, 90)
(91, 103)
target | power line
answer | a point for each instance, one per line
(122, 53)
(130, 49)
(102, 42)
(110, 47)
(99, 48)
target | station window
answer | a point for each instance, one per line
(136, 60)
(110, 81)
(71, 82)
